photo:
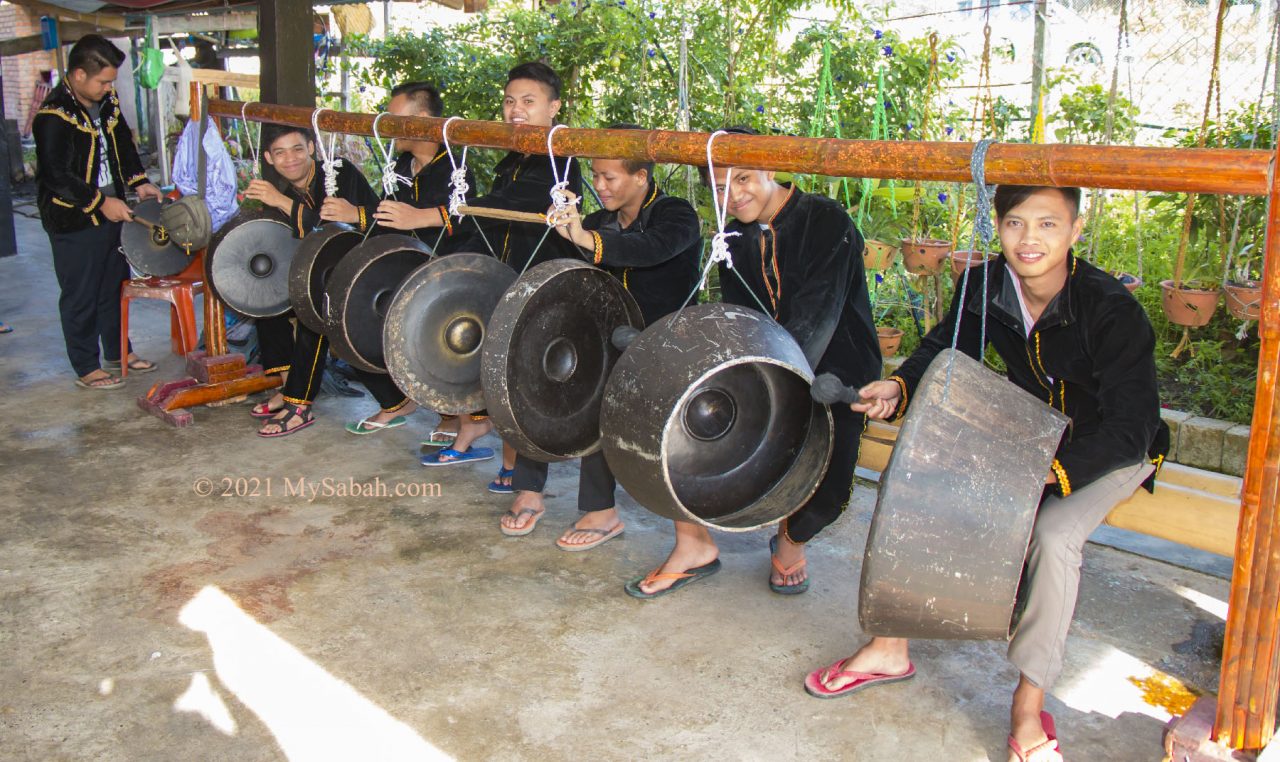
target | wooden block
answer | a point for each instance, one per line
(1189, 738)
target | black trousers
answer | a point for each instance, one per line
(383, 389)
(595, 481)
(297, 349)
(90, 270)
(832, 495)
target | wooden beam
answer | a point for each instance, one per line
(288, 60)
(222, 78)
(68, 33)
(206, 22)
(1199, 170)
(105, 21)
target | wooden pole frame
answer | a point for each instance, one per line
(1250, 677)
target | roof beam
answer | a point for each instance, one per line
(206, 22)
(114, 22)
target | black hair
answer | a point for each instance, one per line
(737, 129)
(538, 72)
(1010, 196)
(93, 53)
(631, 165)
(271, 132)
(421, 95)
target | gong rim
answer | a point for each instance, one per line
(318, 255)
(263, 232)
(143, 252)
(358, 302)
(421, 314)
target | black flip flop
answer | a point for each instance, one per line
(682, 579)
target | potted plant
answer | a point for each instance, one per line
(963, 260)
(1191, 302)
(923, 255)
(1128, 280)
(1244, 287)
(890, 339)
(879, 227)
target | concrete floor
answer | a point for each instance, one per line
(142, 621)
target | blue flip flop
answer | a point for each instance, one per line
(472, 455)
(497, 486)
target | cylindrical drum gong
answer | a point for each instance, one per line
(318, 253)
(360, 291)
(435, 329)
(247, 264)
(956, 506)
(548, 356)
(707, 418)
(151, 251)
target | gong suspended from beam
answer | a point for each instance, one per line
(548, 356)
(247, 265)
(435, 328)
(149, 248)
(360, 292)
(318, 254)
(956, 505)
(707, 418)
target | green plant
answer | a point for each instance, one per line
(1083, 113)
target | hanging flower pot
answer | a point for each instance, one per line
(890, 340)
(878, 255)
(963, 260)
(1244, 299)
(1192, 305)
(924, 256)
(1128, 280)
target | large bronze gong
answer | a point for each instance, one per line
(247, 264)
(435, 329)
(957, 502)
(318, 253)
(548, 355)
(151, 251)
(707, 418)
(360, 291)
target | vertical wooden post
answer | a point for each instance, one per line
(1250, 681)
(288, 55)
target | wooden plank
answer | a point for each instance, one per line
(108, 22)
(68, 32)
(221, 78)
(206, 22)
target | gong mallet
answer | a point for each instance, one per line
(830, 390)
(508, 215)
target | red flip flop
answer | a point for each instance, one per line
(814, 683)
(1046, 722)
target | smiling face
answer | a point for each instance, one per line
(92, 88)
(528, 101)
(751, 193)
(1037, 235)
(290, 155)
(615, 186)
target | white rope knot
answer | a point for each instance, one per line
(720, 241)
(459, 187)
(391, 179)
(328, 162)
(254, 147)
(560, 204)
(720, 250)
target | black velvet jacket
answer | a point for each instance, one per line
(304, 216)
(1090, 355)
(67, 147)
(428, 189)
(656, 256)
(522, 182)
(805, 267)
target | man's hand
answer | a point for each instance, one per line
(569, 222)
(398, 215)
(336, 209)
(881, 399)
(148, 190)
(116, 210)
(261, 190)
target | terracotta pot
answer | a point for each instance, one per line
(963, 260)
(924, 256)
(1192, 307)
(1244, 300)
(1128, 280)
(878, 255)
(890, 340)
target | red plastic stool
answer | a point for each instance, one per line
(179, 291)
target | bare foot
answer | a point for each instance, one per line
(790, 556)
(100, 379)
(1027, 728)
(289, 418)
(880, 656)
(606, 520)
(469, 431)
(385, 416)
(518, 517)
(694, 548)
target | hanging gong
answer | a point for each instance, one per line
(318, 253)
(957, 502)
(707, 418)
(549, 354)
(151, 251)
(359, 293)
(247, 264)
(436, 326)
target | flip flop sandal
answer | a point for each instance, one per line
(137, 366)
(536, 513)
(440, 438)
(472, 455)
(262, 412)
(498, 487)
(1046, 722)
(109, 382)
(785, 571)
(602, 536)
(814, 683)
(366, 426)
(298, 411)
(681, 579)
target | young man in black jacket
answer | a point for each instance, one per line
(410, 209)
(651, 242)
(798, 256)
(1072, 335)
(296, 190)
(85, 162)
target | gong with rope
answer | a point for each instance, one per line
(318, 254)
(707, 418)
(247, 264)
(436, 326)
(360, 292)
(149, 248)
(548, 355)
